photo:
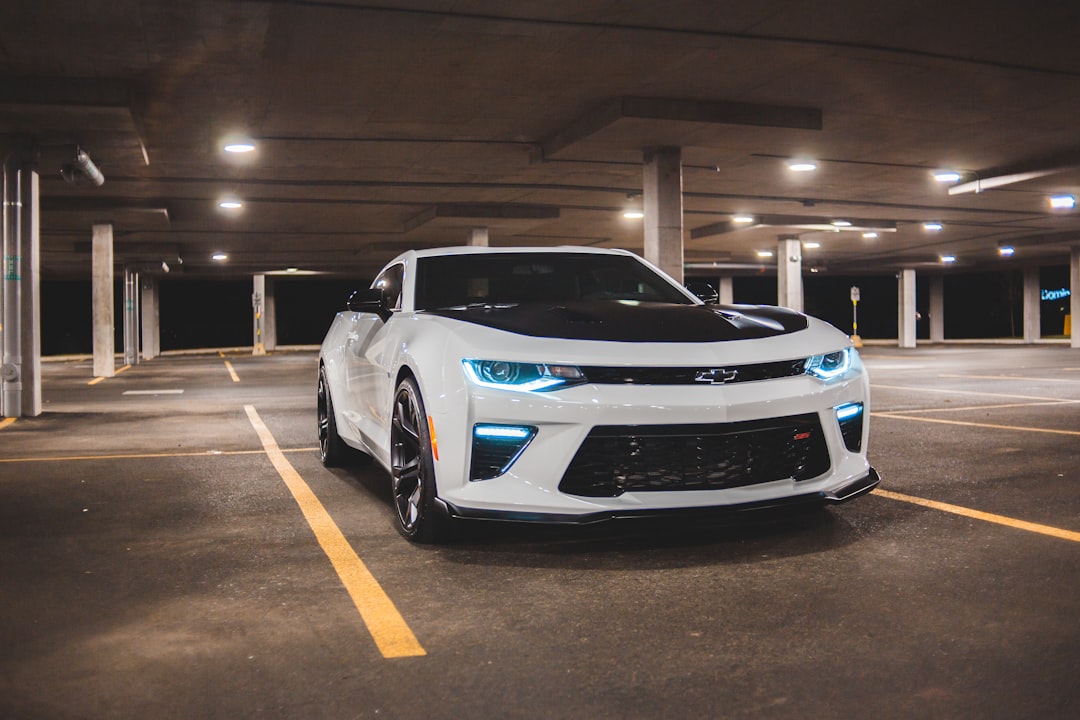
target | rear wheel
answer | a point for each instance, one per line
(412, 469)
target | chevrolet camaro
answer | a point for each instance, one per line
(571, 385)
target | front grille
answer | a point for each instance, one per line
(615, 459)
(694, 375)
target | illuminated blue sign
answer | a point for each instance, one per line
(1051, 295)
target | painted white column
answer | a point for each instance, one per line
(937, 309)
(478, 237)
(151, 318)
(102, 301)
(20, 299)
(270, 315)
(726, 291)
(1074, 288)
(663, 223)
(1032, 306)
(258, 295)
(906, 308)
(789, 284)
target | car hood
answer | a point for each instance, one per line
(632, 321)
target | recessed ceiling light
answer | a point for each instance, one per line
(948, 259)
(802, 165)
(764, 253)
(633, 214)
(811, 245)
(869, 235)
(1063, 202)
(932, 226)
(945, 176)
(841, 223)
(219, 257)
(230, 204)
(743, 219)
(291, 270)
(240, 147)
(1006, 251)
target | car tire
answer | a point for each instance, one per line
(412, 469)
(333, 452)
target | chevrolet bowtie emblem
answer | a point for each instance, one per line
(716, 376)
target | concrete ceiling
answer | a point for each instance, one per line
(404, 124)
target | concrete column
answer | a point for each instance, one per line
(906, 309)
(131, 316)
(270, 315)
(1032, 306)
(789, 285)
(1074, 288)
(150, 300)
(258, 297)
(102, 301)
(726, 291)
(478, 237)
(664, 210)
(20, 305)
(937, 309)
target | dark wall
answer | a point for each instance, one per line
(306, 307)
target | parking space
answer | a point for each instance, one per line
(173, 555)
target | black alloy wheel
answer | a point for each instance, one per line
(412, 469)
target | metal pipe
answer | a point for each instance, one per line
(131, 316)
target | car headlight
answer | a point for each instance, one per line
(525, 377)
(832, 365)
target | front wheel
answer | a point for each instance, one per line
(412, 469)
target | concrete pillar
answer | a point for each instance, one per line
(1032, 306)
(906, 309)
(131, 316)
(258, 297)
(789, 284)
(937, 309)
(726, 291)
(150, 300)
(20, 299)
(1074, 288)
(102, 301)
(664, 210)
(478, 237)
(270, 315)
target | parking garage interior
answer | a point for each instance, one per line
(192, 190)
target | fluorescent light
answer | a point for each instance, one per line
(230, 204)
(932, 226)
(633, 214)
(841, 223)
(1006, 251)
(948, 259)
(764, 253)
(802, 165)
(1063, 202)
(219, 257)
(291, 270)
(945, 176)
(743, 219)
(240, 147)
(869, 235)
(811, 245)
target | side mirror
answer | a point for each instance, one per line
(372, 300)
(704, 291)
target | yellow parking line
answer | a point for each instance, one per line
(98, 379)
(232, 373)
(969, 408)
(144, 456)
(1010, 377)
(979, 515)
(899, 416)
(5, 422)
(389, 630)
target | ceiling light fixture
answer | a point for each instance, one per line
(219, 257)
(764, 253)
(240, 147)
(743, 219)
(1006, 251)
(230, 204)
(870, 235)
(841, 223)
(633, 214)
(811, 245)
(802, 165)
(947, 176)
(947, 259)
(1063, 202)
(933, 226)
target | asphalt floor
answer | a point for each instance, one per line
(171, 547)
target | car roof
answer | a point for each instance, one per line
(473, 250)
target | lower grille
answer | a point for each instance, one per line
(615, 459)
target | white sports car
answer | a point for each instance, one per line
(571, 385)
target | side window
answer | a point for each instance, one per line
(389, 281)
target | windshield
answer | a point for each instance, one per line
(513, 278)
